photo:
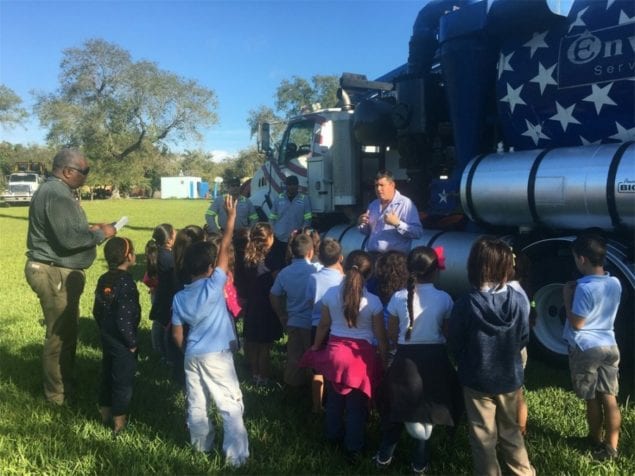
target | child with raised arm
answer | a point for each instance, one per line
(487, 330)
(117, 312)
(591, 305)
(209, 363)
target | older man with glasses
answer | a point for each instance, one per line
(61, 244)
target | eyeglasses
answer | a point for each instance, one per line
(84, 172)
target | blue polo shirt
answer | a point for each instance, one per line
(596, 299)
(201, 305)
(317, 285)
(291, 282)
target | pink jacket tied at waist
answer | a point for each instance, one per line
(231, 297)
(347, 363)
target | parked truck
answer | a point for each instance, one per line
(23, 182)
(510, 118)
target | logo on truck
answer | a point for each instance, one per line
(597, 56)
(627, 186)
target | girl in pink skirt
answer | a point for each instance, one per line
(350, 363)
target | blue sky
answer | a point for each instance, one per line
(240, 49)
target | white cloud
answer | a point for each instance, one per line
(220, 155)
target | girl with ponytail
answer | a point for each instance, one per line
(422, 387)
(349, 362)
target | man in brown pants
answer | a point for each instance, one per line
(61, 245)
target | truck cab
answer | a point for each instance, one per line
(334, 169)
(319, 148)
(22, 186)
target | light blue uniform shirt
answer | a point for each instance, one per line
(216, 215)
(596, 299)
(384, 237)
(288, 215)
(201, 305)
(317, 286)
(291, 282)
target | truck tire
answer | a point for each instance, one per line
(546, 333)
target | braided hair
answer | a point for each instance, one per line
(422, 264)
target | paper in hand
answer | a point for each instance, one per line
(123, 221)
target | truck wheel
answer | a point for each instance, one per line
(546, 334)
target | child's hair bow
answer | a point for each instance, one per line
(440, 257)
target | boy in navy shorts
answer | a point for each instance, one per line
(591, 305)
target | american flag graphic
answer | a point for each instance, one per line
(572, 84)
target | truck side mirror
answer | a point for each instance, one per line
(264, 137)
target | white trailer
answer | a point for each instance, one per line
(180, 187)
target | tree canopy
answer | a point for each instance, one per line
(11, 111)
(245, 164)
(296, 94)
(293, 96)
(118, 110)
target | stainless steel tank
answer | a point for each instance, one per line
(570, 188)
(456, 249)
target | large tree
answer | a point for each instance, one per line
(265, 114)
(11, 111)
(295, 95)
(119, 111)
(245, 164)
(198, 163)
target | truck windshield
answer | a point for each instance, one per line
(296, 143)
(23, 178)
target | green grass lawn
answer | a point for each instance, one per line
(285, 438)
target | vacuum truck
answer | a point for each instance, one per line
(509, 118)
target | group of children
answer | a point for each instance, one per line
(360, 330)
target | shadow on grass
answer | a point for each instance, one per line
(157, 403)
(3, 215)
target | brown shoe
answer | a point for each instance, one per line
(119, 424)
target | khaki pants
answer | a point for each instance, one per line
(59, 290)
(298, 343)
(493, 419)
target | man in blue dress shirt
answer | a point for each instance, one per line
(392, 220)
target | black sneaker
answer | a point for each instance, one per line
(605, 452)
(379, 464)
(423, 470)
